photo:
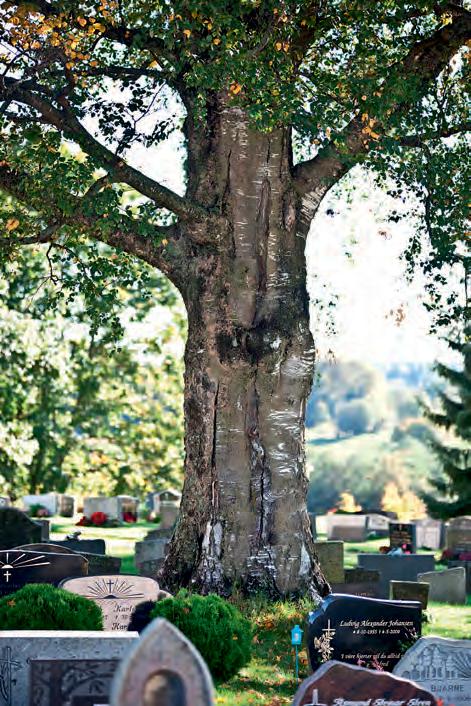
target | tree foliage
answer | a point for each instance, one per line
(77, 413)
(452, 443)
(358, 82)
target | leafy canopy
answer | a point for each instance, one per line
(378, 83)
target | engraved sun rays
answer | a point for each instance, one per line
(112, 588)
(19, 562)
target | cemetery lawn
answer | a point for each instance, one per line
(269, 679)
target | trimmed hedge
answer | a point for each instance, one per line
(40, 606)
(218, 630)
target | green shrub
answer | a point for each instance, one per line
(40, 606)
(218, 630)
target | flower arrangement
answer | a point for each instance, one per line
(129, 517)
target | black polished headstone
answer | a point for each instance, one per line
(403, 535)
(91, 546)
(363, 631)
(17, 528)
(66, 682)
(18, 568)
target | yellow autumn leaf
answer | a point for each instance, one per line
(278, 46)
(216, 41)
(12, 224)
(187, 33)
(82, 21)
(235, 88)
(446, 18)
(165, 241)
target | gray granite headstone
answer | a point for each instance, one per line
(442, 666)
(458, 535)
(403, 535)
(98, 564)
(19, 567)
(430, 534)
(117, 595)
(330, 555)
(164, 669)
(17, 528)
(454, 563)
(19, 647)
(447, 586)
(346, 528)
(92, 546)
(398, 568)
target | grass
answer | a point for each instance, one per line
(269, 679)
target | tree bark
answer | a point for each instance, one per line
(249, 364)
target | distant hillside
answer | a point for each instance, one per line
(366, 429)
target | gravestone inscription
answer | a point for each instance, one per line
(336, 684)
(71, 682)
(116, 594)
(18, 568)
(19, 647)
(363, 631)
(403, 535)
(442, 666)
(17, 528)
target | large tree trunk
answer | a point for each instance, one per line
(249, 365)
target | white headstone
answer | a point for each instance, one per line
(47, 500)
(440, 665)
(19, 647)
(117, 595)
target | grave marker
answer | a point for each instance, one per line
(19, 647)
(71, 682)
(458, 535)
(442, 666)
(330, 555)
(397, 568)
(117, 595)
(18, 568)
(447, 586)
(365, 631)
(403, 535)
(17, 528)
(346, 528)
(163, 669)
(336, 684)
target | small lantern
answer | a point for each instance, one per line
(296, 635)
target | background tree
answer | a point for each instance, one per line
(76, 413)
(454, 454)
(352, 82)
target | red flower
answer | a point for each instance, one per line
(83, 522)
(98, 518)
(129, 517)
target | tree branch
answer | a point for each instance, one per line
(420, 140)
(66, 122)
(125, 238)
(424, 61)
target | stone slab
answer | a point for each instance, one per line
(113, 507)
(336, 684)
(398, 568)
(410, 591)
(447, 586)
(17, 528)
(46, 500)
(442, 666)
(367, 590)
(346, 528)
(117, 595)
(430, 534)
(364, 631)
(71, 682)
(92, 546)
(19, 647)
(98, 564)
(458, 534)
(18, 568)
(403, 535)
(330, 555)
(454, 563)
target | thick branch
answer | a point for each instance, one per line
(425, 61)
(125, 238)
(420, 140)
(66, 122)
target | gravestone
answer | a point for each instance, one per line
(466, 565)
(168, 513)
(403, 535)
(117, 595)
(19, 567)
(330, 555)
(458, 535)
(429, 534)
(410, 591)
(346, 528)
(396, 568)
(91, 546)
(46, 500)
(170, 495)
(364, 631)
(71, 682)
(66, 505)
(163, 669)
(98, 564)
(17, 528)
(359, 582)
(377, 525)
(4, 501)
(442, 666)
(113, 507)
(447, 586)
(19, 647)
(336, 684)
(150, 550)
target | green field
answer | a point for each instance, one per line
(269, 678)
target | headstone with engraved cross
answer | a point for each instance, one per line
(19, 567)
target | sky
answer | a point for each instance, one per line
(353, 258)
